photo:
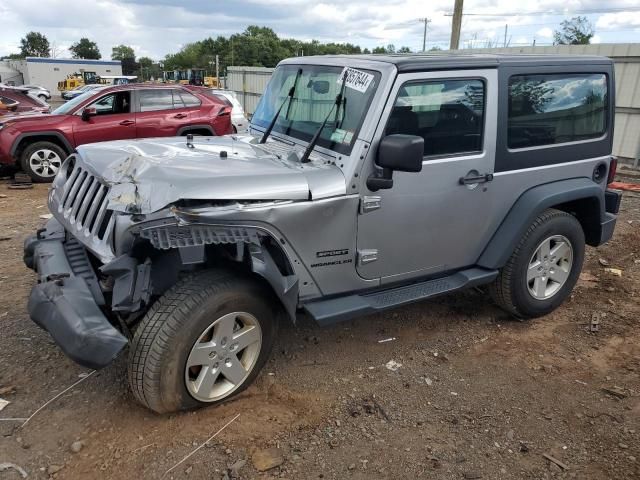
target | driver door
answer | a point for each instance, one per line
(114, 120)
(430, 221)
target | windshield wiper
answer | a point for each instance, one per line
(292, 92)
(316, 136)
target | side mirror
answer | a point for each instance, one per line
(88, 112)
(402, 153)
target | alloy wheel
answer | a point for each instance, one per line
(223, 356)
(549, 267)
(45, 162)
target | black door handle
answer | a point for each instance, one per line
(473, 179)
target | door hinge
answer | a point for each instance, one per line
(367, 256)
(370, 203)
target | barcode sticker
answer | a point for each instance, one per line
(355, 79)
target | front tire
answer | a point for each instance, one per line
(204, 341)
(544, 267)
(42, 160)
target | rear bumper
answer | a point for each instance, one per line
(612, 201)
(65, 300)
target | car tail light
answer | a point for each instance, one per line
(224, 111)
(613, 167)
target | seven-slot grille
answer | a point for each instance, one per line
(84, 207)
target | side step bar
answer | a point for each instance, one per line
(327, 312)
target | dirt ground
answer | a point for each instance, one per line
(477, 396)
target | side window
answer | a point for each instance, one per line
(182, 99)
(156, 99)
(448, 114)
(117, 102)
(550, 109)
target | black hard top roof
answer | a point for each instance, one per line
(439, 61)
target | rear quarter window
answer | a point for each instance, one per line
(549, 109)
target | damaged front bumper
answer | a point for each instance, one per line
(66, 301)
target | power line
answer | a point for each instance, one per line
(551, 12)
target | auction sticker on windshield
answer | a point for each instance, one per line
(355, 79)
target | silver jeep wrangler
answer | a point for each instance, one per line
(365, 183)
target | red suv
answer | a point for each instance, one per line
(39, 144)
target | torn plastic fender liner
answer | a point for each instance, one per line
(285, 286)
(67, 310)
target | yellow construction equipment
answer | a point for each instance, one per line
(71, 83)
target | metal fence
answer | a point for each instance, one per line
(250, 82)
(626, 57)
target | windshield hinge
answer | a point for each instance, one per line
(369, 203)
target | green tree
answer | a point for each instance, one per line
(34, 44)
(127, 58)
(577, 31)
(121, 52)
(85, 48)
(404, 50)
(148, 69)
(256, 46)
(391, 48)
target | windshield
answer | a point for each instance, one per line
(71, 104)
(315, 94)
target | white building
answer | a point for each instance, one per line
(47, 72)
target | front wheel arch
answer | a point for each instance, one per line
(26, 139)
(164, 340)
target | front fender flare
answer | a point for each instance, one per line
(284, 286)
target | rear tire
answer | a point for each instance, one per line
(544, 267)
(187, 350)
(42, 160)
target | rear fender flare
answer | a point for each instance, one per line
(531, 204)
(186, 129)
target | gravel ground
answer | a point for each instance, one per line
(477, 395)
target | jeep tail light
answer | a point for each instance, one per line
(224, 111)
(613, 167)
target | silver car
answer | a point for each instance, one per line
(238, 117)
(364, 183)
(40, 92)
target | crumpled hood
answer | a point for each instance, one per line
(147, 175)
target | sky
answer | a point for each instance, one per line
(157, 27)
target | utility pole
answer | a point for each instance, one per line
(506, 28)
(424, 35)
(217, 71)
(456, 23)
